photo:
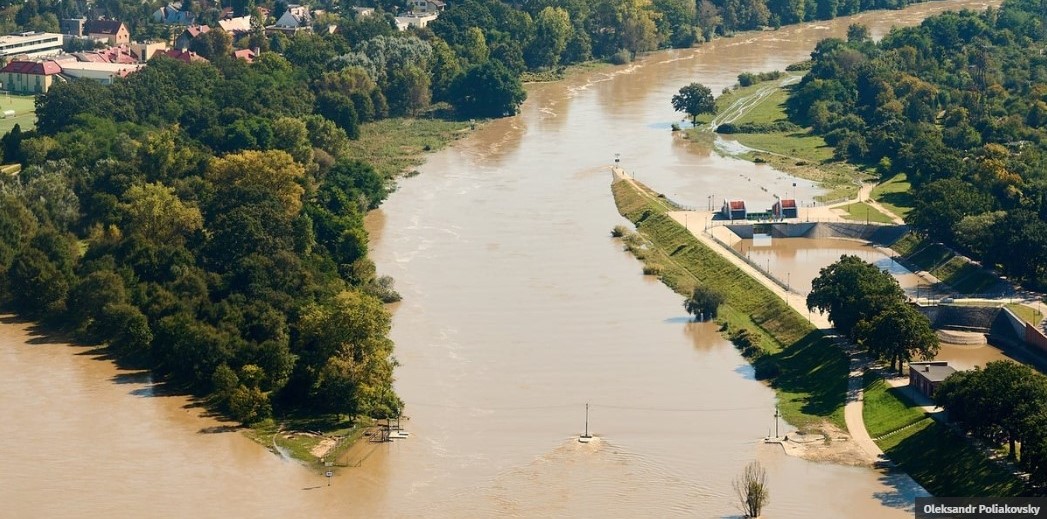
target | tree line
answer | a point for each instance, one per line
(204, 221)
(1002, 404)
(959, 104)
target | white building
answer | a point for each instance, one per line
(415, 20)
(30, 44)
(104, 73)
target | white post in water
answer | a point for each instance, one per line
(586, 438)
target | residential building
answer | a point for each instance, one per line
(189, 34)
(30, 44)
(236, 27)
(926, 376)
(362, 12)
(182, 55)
(72, 26)
(145, 51)
(427, 6)
(172, 14)
(112, 31)
(414, 20)
(29, 77)
(297, 18)
(247, 55)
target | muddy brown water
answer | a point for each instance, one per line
(518, 308)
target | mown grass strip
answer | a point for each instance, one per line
(885, 408)
(895, 195)
(808, 373)
(863, 212)
(946, 464)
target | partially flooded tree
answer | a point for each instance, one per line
(703, 303)
(751, 488)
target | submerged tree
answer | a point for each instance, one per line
(704, 302)
(695, 99)
(751, 488)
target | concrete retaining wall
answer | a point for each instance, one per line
(879, 234)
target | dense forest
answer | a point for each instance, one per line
(959, 104)
(223, 247)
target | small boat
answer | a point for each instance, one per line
(586, 438)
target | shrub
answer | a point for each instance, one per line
(621, 57)
(619, 231)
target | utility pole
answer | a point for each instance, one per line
(776, 415)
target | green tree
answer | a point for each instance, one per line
(852, 290)
(38, 287)
(274, 172)
(408, 92)
(156, 213)
(898, 333)
(704, 302)
(694, 99)
(552, 31)
(487, 90)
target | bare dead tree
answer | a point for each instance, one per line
(751, 488)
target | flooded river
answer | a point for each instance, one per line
(518, 308)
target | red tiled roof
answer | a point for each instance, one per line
(788, 203)
(182, 55)
(102, 27)
(43, 68)
(247, 55)
(196, 30)
(737, 205)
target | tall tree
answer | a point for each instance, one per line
(851, 290)
(898, 333)
(694, 99)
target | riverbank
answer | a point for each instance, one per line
(935, 456)
(807, 372)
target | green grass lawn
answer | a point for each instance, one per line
(1025, 313)
(863, 212)
(770, 109)
(945, 463)
(887, 408)
(894, 195)
(25, 112)
(395, 146)
(798, 145)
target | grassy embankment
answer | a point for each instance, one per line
(807, 372)
(963, 276)
(938, 458)
(393, 147)
(799, 153)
